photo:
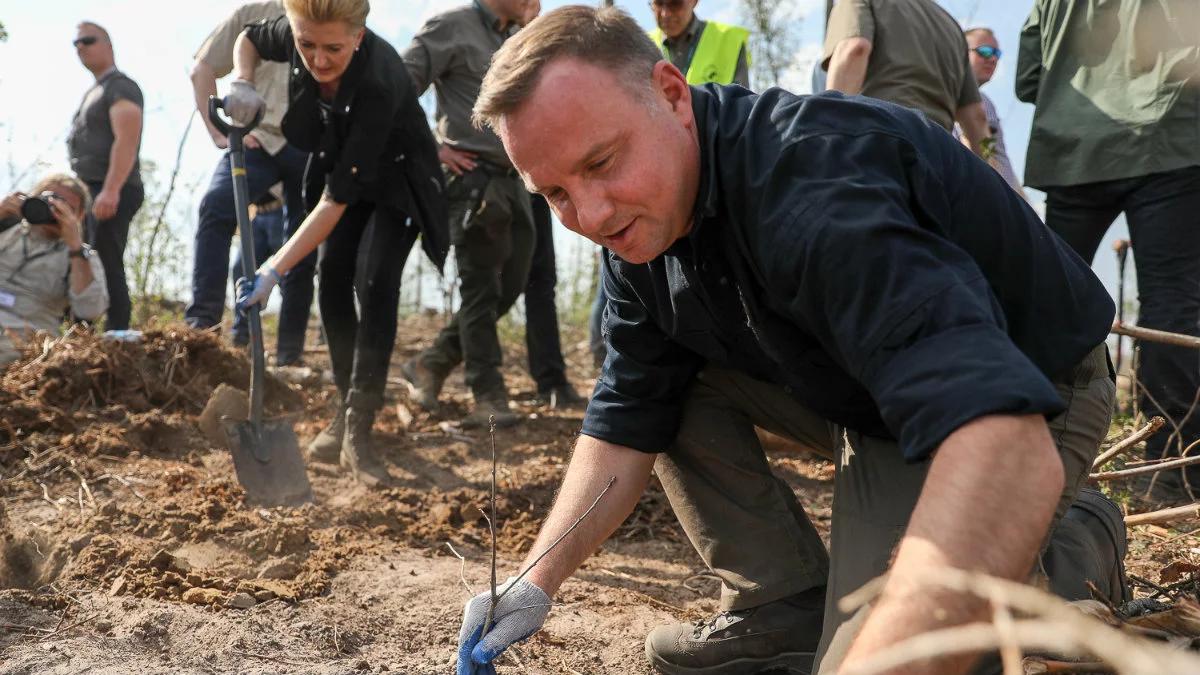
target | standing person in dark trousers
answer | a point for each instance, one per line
(270, 160)
(491, 223)
(373, 186)
(104, 141)
(542, 340)
(1116, 129)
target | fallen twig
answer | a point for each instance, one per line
(462, 569)
(1036, 666)
(1164, 515)
(1124, 444)
(1160, 336)
(1137, 471)
(1057, 627)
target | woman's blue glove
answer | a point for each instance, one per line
(256, 291)
(519, 614)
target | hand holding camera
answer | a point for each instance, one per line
(48, 209)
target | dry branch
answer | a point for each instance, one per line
(1137, 471)
(1161, 336)
(1057, 627)
(1164, 515)
(1124, 444)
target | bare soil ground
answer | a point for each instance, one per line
(126, 545)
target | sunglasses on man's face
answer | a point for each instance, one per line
(987, 51)
(86, 40)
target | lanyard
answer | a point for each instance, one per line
(26, 258)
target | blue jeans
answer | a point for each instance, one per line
(214, 232)
(268, 237)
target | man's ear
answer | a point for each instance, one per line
(673, 87)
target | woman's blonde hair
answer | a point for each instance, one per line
(68, 181)
(353, 12)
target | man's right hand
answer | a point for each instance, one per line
(458, 161)
(10, 206)
(519, 614)
(243, 103)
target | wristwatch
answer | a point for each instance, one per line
(84, 252)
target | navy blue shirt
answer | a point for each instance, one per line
(857, 255)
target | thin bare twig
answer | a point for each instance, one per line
(462, 569)
(491, 613)
(580, 519)
(1137, 471)
(1124, 444)
(1164, 515)
(1160, 336)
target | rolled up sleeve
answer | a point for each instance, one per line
(904, 310)
(638, 399)
(90, 303)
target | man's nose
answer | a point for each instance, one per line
(594, 212)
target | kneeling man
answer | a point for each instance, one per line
(836, 270)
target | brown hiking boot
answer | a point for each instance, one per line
(327, 446)
(779, 636)
(424, 385)
(488, 407)
(357, 455)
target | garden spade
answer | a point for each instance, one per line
(266, 454)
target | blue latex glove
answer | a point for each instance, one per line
(256, 291)
(519, 614)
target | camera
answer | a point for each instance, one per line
(37, 211)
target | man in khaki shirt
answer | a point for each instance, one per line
(269, 160)
(45, 268)
(908, 52)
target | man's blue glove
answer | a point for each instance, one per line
(256, 291)
(519, 614)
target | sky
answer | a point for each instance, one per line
(41, 80)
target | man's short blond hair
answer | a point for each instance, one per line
(606, 37)
(353, 12)
(69, 181)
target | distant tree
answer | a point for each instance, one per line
(3, 32)
(774, 40)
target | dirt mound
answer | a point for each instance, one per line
(91, 396)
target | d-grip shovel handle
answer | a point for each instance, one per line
(215, 104)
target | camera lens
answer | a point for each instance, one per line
(37, 211)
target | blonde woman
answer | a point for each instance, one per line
(373, 184)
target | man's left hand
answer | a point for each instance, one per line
(69, 226)
(105, 206)
(256, 291)
(519, 614)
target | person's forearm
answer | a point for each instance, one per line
(204, 85)
(973, 120)
(848, 66)
(592, 465)
(81, 275)
(120, 159)
(245, 58)
(986, 506)
(314, 230)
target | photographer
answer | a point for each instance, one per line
(45, 268)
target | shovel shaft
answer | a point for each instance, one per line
(237, 163)
(241, 203)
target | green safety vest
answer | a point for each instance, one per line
(715, 57)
